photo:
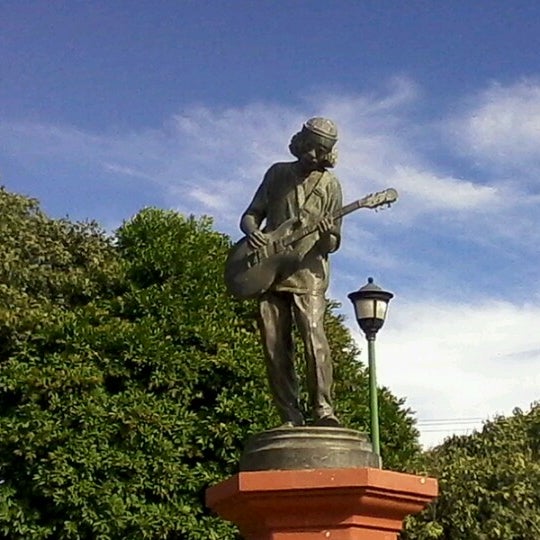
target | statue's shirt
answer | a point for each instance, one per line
(283, 195)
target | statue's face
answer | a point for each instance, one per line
(314, 149)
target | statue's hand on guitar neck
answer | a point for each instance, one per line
(327, 242)
(325, 225)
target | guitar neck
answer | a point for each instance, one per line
(351, 207)
(386, 197)
(310, 228)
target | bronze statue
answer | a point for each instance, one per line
(295, 196)
(285, 265)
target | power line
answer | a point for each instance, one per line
(464, 430)
(455, 423)
(457, 419)
(459, 425)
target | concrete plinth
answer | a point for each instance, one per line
(308, 448)
(335, 504)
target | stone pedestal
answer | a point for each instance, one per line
(309, 447)
(336, 504)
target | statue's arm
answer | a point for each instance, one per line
(330, 232)
(255, 214)
(249, 223)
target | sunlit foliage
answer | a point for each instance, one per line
(130, 380)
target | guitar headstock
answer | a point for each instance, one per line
(381, 198)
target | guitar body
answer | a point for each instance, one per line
(251, 272)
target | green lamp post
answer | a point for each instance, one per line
(370, 306)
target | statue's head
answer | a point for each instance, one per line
(314, 144)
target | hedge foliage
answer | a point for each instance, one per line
(129, 379)
(489, 483)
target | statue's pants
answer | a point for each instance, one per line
(278, 310)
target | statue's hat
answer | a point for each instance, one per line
(322, 127)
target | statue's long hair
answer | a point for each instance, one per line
(298, 146)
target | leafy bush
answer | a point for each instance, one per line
(489, 483)
(129, 379)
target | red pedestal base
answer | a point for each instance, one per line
(338, 504)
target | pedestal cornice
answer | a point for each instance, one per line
(362, 503)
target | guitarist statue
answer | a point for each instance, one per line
(302, 192)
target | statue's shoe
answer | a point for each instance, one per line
(327, 421)
(291, 424)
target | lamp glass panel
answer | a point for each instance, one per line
(380, 309)
(365, 309)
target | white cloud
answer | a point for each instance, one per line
(443, 193)
(203, 150)
(459, 361)
(379, 109)
(214, 201)
(127, 171)
(502, 126)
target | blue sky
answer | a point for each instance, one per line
(106, 107)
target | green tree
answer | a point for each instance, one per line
(130, 380)
(489, 483)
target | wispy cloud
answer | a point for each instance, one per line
(203, 150)
(127, 171)
(443, 192)
(460, 360)
(501, 126)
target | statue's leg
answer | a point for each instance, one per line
(276, 332)
(309, 312)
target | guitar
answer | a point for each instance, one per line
(251, 272)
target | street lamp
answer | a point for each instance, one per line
(370, 305)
